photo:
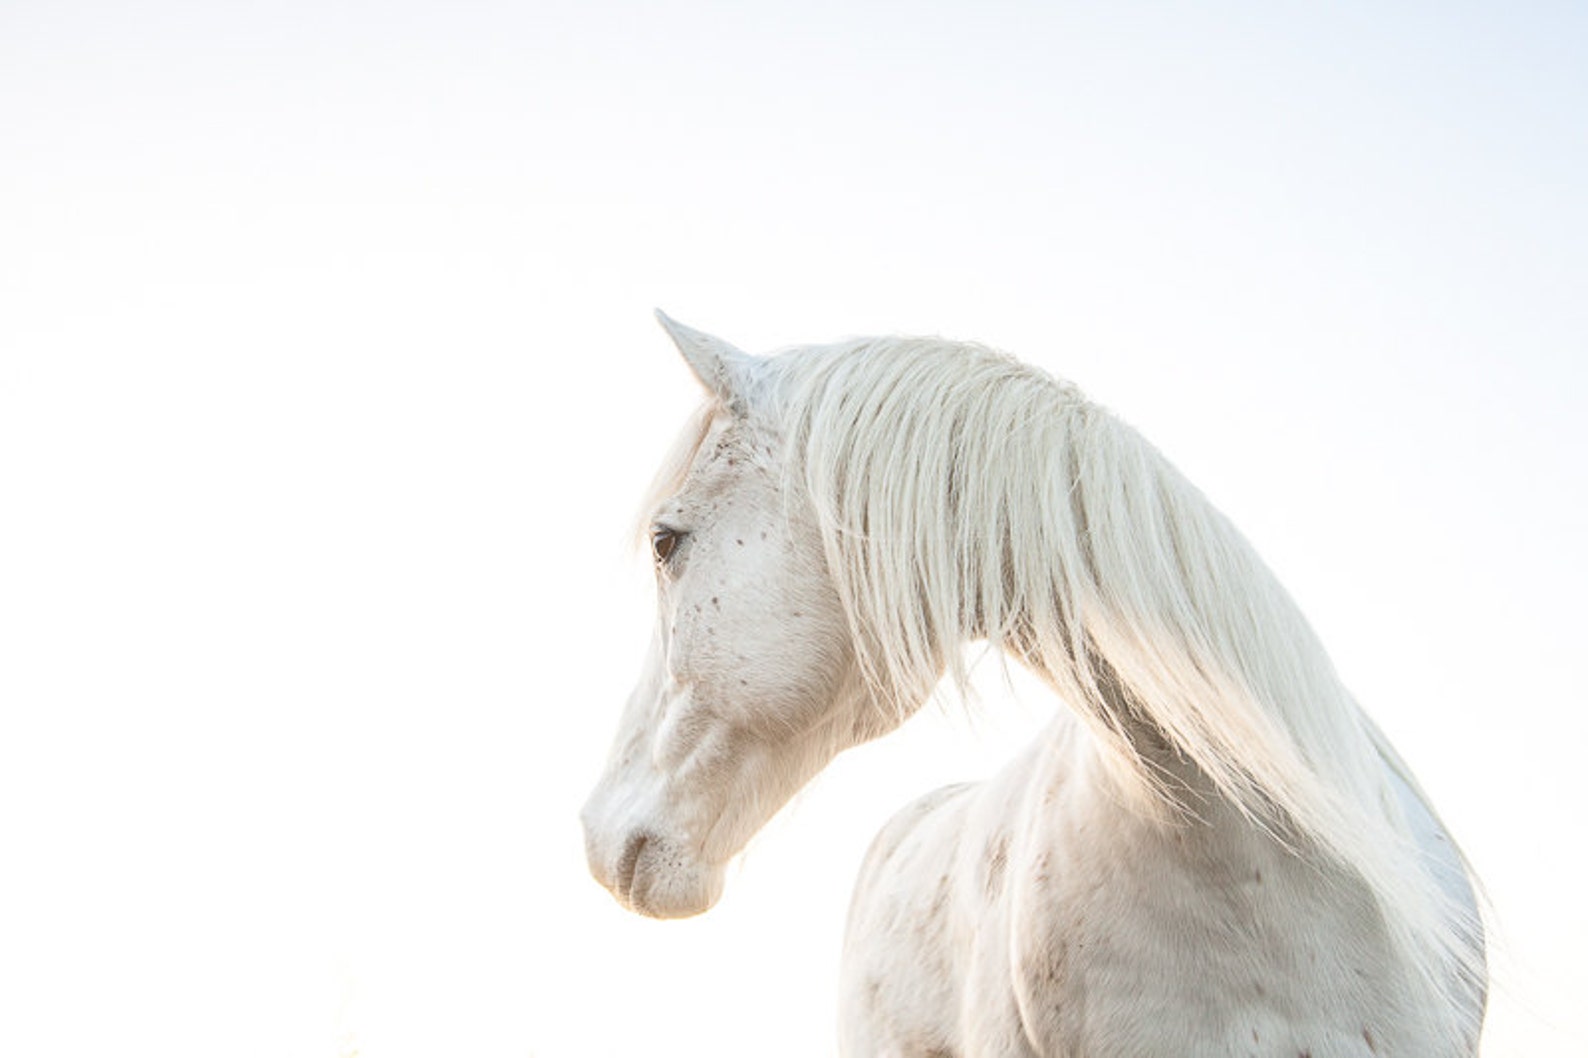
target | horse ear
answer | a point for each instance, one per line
(721, 368)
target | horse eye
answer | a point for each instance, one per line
(664, 542)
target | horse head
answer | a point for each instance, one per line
(751, 684)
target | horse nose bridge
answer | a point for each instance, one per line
(592, 815)
(609, 820)
(627, 797)
(606, 806)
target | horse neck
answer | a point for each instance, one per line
(1126, 743)
(1169, 637)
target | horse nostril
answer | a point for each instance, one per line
(627, 865)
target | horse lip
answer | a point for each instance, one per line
(628, 867)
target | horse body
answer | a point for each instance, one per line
(1213, 852)
(1023, 916)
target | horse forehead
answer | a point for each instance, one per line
(733, 457)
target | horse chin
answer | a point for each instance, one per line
(677, 894)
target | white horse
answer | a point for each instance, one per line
(1212, 852)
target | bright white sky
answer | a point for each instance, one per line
(328, 384)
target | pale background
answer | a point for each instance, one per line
(328, 384)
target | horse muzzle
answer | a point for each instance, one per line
(647, 870)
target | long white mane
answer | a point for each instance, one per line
(962, 494)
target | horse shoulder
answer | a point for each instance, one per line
(926, 958)
(898, 977)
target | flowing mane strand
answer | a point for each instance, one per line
(964, 495)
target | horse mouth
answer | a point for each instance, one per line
(623, 881)
(655, 877)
